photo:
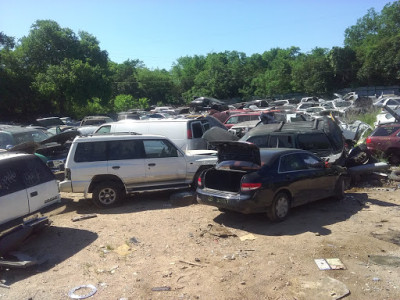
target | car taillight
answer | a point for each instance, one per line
(189, 134)
(199, 183)
(368, 140)
(67, 174)
(249, 186)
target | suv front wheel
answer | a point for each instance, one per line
(107, 194)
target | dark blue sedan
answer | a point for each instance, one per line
(250, 180)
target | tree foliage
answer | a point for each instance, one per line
(55, 71)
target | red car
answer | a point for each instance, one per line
(385, 139)
(238, 118)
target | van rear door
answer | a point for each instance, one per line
(41, 185)
(13, 197)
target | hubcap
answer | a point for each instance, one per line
(282, 207)
(107, 196)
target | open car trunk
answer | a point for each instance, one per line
(223, 180)
(235, 160)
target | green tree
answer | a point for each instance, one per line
(123, 103)
(312, 73)
(156, 85)
(72, 83)
(344, 66)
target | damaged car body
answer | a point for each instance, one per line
(323, 137)
(248, 179)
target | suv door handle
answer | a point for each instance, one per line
(33, 194)
(151, 165)
(115, 167)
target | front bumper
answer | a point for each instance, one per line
(239, 202)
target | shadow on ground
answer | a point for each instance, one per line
(135, 203)
(49, 247)
(313, 217)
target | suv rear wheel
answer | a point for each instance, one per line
(107, 194)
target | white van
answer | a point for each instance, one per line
(185, 133)
(26, 185)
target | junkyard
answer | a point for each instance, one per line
(156, 248)
(200, 150)
(164, 245)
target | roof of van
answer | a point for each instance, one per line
(117, 136)
(156, 120)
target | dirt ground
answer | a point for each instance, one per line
(155, 248)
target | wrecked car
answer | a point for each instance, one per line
(26, 185)
(385, 140)
(323, 137)
(11, 136)
(248, 179)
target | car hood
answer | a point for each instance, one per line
(240, 151)
(62, 137)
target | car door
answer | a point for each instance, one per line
(13, 197)
(293, 176)
(323, 178)
(164, 164)
(126, 160)
(41, 185)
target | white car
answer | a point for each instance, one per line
(112, 166)
(385, 117)
(393, 103)
(26, 185)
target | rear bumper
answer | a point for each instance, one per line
(65, 186)
(243, 203)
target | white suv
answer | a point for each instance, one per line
(111, 166)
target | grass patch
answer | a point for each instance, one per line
(368, 117)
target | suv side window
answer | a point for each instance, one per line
(280, 141)
(314, 141)
(91, 151)
(125, 149)
(261, 140)
(159, 148)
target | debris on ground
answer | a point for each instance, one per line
(84, 217)
(329, 264)
(248, 237)
(218, 230)
(92, 290)
(161, 288)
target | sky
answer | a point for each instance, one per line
(158, 32)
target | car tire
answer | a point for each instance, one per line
(107, 194)
(340, 188)
(280, 207)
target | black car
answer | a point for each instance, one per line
(205, 103)
(247, 179)
(323, 137)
